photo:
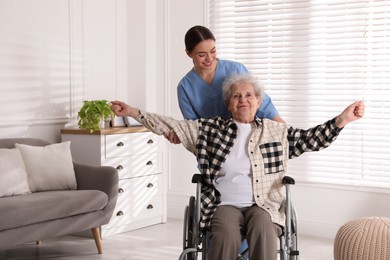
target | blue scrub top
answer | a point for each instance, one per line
(198, 99)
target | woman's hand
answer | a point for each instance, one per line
(353, 112)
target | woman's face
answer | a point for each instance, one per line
(204, 55)
(243, 102)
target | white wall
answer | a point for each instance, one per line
(146, 57)
(54, 54)
(323, 209)
(181, 15)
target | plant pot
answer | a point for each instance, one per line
(102, 123)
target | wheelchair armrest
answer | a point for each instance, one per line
(288, 180)
(196, 178)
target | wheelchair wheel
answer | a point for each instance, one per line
(291, 248)
(294, 253)
(204, 245)
(188, 228)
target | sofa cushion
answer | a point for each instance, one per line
(13, 175)
(49, 167)
(39, 207)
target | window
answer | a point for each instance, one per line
(315, 58)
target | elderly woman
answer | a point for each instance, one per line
(243, 160)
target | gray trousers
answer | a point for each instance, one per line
(230, 225)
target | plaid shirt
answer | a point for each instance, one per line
(269, 148)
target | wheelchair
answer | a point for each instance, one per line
(195, 242)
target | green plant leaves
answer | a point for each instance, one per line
(92, 112)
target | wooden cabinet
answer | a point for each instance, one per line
(137, 154)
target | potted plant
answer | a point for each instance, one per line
(93, 114)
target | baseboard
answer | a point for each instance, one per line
(317, 229)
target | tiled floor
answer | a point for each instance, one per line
(159, 242)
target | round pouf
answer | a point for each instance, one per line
(363, 239)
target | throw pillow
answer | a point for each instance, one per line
(49, 167)
(13, 175)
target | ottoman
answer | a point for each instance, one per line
(363, 239)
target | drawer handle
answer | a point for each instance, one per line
(149, 163)
(150, 185)
(120, 190)
(150, 206)
(119, 167)
(120, 213)
(150, 141)
(120, 144)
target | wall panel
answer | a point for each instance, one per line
(54, 55)
(34, 61)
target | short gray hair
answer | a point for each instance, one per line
(241, 78)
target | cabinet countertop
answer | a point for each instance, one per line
(105, 131)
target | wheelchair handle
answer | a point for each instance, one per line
(196, 178)
(288, 180)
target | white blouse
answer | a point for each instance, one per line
(234, 181)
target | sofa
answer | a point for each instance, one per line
(41, 214)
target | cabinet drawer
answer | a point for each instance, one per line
(138, 199)
(119, 145)
(136, 165)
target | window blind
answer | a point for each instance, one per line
(315, 58)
